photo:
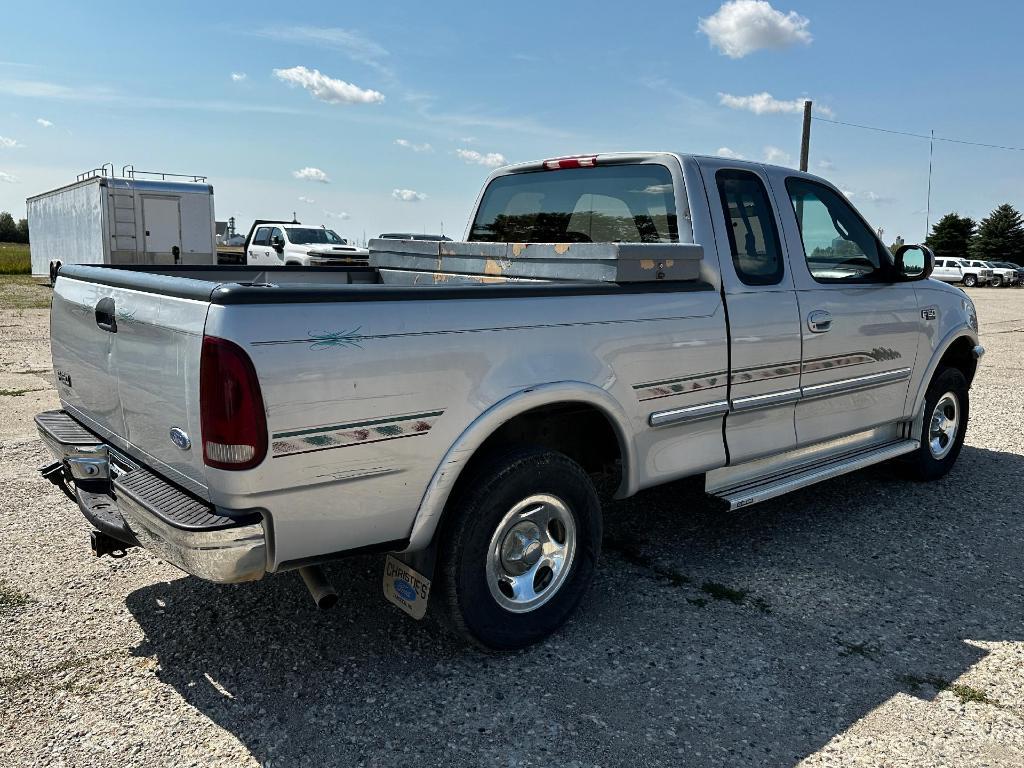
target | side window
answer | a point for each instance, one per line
(275, 232)
(838, 245)
(753, 236)
(262, 236)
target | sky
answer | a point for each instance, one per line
(369, 117)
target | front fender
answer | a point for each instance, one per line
(462, 450)
(960, 331)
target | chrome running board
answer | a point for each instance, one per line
(770, 486)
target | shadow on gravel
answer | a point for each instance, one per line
(707, 640)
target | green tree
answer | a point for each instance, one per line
(951, 236)
(1000, 236)
(23, 231)
(8, 229)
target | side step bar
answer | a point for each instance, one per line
(769, 487)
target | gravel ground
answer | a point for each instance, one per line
(865, 621)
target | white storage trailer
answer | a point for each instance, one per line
(106, 219)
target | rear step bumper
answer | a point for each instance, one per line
(132, 504)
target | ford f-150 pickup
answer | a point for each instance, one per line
(650, 316)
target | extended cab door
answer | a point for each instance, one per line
(763, 317)
(860, 327)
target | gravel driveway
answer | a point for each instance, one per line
(864, 621)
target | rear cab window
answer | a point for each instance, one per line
(262, 236)
(750, 224)
(628, 203)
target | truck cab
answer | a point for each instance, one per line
(278, 243)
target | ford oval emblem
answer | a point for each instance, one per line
(404, 590)
(180, 438)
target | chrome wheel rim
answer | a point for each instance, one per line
(531, 553)
(943, 426)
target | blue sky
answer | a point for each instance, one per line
(334, 86)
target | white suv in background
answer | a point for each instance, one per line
(948, 270)
(1002, 274)
(975, 272)
(273, 243)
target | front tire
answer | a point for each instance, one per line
(970, 281)
(997, 282)
(520, 549)
(946, 411)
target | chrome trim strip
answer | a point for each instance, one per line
(852, 385)
(692, 413)
(766, 401)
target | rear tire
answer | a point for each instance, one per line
(519, 550)
(970, 281)
(946, 411)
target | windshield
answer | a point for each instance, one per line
(313, 235)
(614, 203)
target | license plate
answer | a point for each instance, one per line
(405, 587)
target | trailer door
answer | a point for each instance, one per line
(161, 218)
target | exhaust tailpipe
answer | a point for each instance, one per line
(324, 595)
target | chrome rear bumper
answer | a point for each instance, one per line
(209, 543)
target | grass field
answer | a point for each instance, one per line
(22, 292)
(15, 259)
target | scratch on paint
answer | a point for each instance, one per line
(328, 339)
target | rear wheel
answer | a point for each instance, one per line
(520, 549)
(946, 410)
(970, 281)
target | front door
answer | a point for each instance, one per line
(161, 218)
(259, 247)
(764, 321)
(860, 326)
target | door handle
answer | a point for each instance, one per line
(105, 315)
(819, 321)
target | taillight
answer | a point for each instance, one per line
(230, 407)
(582, 161)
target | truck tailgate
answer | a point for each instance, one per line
(127, 366)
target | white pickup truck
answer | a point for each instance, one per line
(277, 243)
(688, 316)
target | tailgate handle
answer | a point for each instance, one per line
(105, 315)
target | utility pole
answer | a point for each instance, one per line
(928, 208)
(805, 138)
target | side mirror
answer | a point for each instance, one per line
(914, 262)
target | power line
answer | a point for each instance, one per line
(924, 136)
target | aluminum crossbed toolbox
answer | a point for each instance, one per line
(602, 262)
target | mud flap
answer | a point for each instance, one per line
(407, 577)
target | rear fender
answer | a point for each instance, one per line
(455, 460)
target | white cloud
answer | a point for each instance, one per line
(765, 104)
(741, 27)
(43, 122)
(729, 153)
(306, 200)
(6, 143)
(414, 147)
(826, 165)
(408, 195)
(339, 215)
(237, 77)
(490, 159)
(6, 178)
(311, 174)
(328, 89)
(777, 156)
